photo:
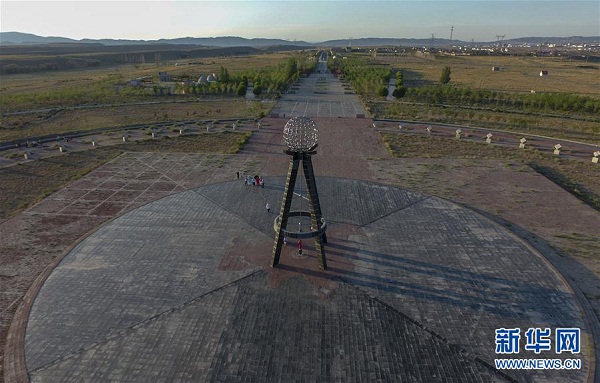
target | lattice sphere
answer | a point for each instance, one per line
(301, 134)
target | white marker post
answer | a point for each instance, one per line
(557, 149)
(522, 143)
(595, 158)
(429, 129)
(458, 132)
(489, 138)
(124, 139)
(93, 141)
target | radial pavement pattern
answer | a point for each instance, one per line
(181, 290)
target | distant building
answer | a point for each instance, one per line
(164, 76)
(544, 73)
(206, 79)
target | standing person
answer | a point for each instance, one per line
(268, 207)
(285, 241)
(262, 182)
(238, 175)
(246, 181)
(299, 247)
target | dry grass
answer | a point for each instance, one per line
(221, 142)
(559, 127)
(518, 74)
(83, 78)
(582, 179)
(25, 184)
(32, 125)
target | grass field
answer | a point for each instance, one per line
(97, 85)
(518, 74)
(581, 179)
(583, 130)
(31, 125)
(25, 184)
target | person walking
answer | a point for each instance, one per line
(268, 207)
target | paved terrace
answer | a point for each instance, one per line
(180, 289)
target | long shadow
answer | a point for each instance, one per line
(503, 307)
(436, 269)
(478, 293)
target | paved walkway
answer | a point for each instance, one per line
(320, 95)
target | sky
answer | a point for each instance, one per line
(311, 21)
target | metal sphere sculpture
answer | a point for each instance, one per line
(301, 134)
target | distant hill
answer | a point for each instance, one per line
(28, 38)
(18, 38)
(13, 38)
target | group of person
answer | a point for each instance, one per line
(254, 181)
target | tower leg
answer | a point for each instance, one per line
(315, 208)
(290, 183)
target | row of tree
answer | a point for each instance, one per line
(557, 102)
(366, 79)
(269, 80)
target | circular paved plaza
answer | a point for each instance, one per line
(181, 290)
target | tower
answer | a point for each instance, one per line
(301, 138)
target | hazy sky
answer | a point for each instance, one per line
(311, 21)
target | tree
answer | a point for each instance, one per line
(445, 77)
(399, 79)
(223, 75)
(257, 89)
(383, 92)
(241, 90)
(399, 92)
